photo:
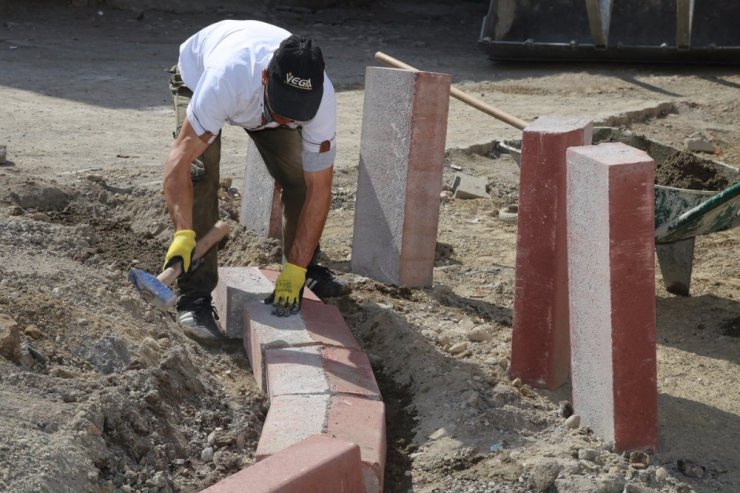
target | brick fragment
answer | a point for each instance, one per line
(469, 187)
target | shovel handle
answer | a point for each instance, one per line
(214, 235)
(458, 94)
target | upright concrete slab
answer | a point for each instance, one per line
(539, 346)
(611, 229)
(402, 148)
(261, 208)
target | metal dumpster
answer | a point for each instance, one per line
(704, 31)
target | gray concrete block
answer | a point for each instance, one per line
(469, 187)
(261, 209)
(402, 147)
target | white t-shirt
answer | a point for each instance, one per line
(222, 64)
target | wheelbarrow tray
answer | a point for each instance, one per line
(682, 214)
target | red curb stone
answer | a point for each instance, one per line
(311, 352)
(318, 464)
(292, 418)
(400, 175)
(611, 231)
(317, 324)
(240, 285)
(275, 227)
(362, 422)
(539, 345)
(319, 370)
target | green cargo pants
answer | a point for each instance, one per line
(280, 149)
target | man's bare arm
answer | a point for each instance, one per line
(313, 216)
(178, 187)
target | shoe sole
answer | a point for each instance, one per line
(203, 338)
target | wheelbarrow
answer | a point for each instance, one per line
(682, 215)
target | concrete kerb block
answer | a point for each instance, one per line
(319, 370)
(317, 324)
(261, 207)
(611, 265)
(317, 464)
(236, 287)
(320, 382)
(355, 419)
(402, 148)
(539, 346)
(244, 289)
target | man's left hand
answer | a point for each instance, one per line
(288, 290)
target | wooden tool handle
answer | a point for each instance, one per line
(458, 94)
(214, 235)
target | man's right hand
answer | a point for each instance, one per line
(288, 290)
(181, 249)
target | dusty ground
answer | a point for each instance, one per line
(99, 392)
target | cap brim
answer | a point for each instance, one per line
(295, 104)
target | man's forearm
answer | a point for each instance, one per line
(178, 191)
(178, 187)
(312, 218)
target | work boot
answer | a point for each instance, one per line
(197, 317)
(324, 283)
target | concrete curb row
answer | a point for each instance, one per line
(319, 382)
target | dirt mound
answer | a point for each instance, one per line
(120, 391)
(685, 170)
(673, 167)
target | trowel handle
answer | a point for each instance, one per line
(458, 94)
(214, 235)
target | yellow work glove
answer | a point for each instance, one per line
(288, 290)
(181, 249)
